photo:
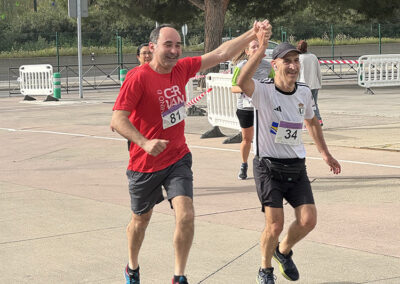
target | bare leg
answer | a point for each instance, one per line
(306, 219)
(245, 146)
(135, 232)
(184, 231)
(274, 219)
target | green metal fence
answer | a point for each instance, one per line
(329, 36)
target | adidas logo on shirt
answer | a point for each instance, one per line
(278, 109)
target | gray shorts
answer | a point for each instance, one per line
(145, 188)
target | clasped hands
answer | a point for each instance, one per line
(263, 31)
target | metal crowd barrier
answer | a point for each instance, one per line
(36, 79)
(94, 77)
(221, 102)
(379, 71)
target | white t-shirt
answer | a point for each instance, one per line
(276, 109)
(310, 71)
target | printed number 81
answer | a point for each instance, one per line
(173, 118)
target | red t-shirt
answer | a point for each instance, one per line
(153, 100)
(130, 73)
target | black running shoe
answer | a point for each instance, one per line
(132, 278)
(286, 265)
(243, 171)
(182, 280)
(266, 276)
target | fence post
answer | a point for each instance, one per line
(120, 52)
(333, 47)
(118, 57)
(58, 53)
(283, 35)
(380, 39)
(57, 85)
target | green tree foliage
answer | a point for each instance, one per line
(208, 20)
(261, 9)
(175, 12)
(356, 11)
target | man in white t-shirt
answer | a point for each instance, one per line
(281, 106)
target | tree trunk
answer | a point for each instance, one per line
(213, 25)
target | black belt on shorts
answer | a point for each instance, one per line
(288, 161)
(288, 170)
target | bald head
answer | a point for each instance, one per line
(155, 34)
(165, 44)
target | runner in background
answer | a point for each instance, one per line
(245, 110)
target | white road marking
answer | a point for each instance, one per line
(190, 146)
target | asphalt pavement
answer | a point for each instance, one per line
(65, 203)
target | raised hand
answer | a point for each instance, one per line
(266, 26)
(263, 32)
(262, 38)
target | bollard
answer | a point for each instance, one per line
(57, 85)
(122, 75)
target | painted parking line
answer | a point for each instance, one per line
(190, 146)
(62, 133)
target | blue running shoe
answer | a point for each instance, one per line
(132, 278)
(181, 280)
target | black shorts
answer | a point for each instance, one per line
(272, 191)
(145, 189)
(246, 118)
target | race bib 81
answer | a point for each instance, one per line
(174, 115)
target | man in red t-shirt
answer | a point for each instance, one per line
(150, 112)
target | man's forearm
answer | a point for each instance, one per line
(124, 127)
(246, 74)
(230, 48)
(315, 131)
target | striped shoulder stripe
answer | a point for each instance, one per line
(267, 81)
(300, 84)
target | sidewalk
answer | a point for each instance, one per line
(65, 205)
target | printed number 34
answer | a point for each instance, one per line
(289, 134)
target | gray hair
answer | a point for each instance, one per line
(155, 34)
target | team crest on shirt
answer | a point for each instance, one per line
(301, 109)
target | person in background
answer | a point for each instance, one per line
(310, 74)
(143, 55)
(245, 110)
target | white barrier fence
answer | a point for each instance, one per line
(221, 102)
(379, 71)
(36, 79)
